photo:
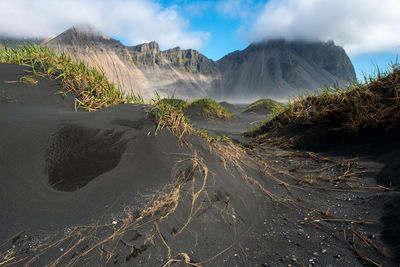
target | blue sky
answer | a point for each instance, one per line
(368, 30)
(226, 36)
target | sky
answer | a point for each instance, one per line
(368, 30)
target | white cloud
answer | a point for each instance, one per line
(239, 8)
(360, 26)
(135, 21)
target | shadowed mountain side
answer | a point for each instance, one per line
(273, 68)
(278, 68)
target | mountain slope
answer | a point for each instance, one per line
(143, 68)
(275, 68)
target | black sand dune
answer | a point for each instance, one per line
(102, 188)
(379, 146)
(49, 151)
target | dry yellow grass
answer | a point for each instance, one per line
(375, 104)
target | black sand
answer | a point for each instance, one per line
(76, 188)
(233, 128)
(48, 151)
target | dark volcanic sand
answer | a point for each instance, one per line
(83, 179)
(233, 128)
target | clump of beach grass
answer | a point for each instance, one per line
(169, 114)
(373, 104)
(92, 87)
(211, 109)
(264, 105)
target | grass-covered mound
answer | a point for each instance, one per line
(92, 87)
(208, 108)
(373, 105)
(263, 106)
(178, 104)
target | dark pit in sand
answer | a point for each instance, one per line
(78, 154)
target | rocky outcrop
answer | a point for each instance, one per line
(274, 68)
(142, 68)
(279, 68)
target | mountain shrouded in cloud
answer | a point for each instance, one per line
(135, 21)
(357, 25)
(271, 69)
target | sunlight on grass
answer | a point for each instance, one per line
(92, 87)
(374, 104)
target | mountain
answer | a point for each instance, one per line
(275, 68)
(143, 68)
(278, 68)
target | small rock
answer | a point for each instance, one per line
(372, 236)
(323, 251)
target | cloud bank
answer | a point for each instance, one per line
(359, 26)
(134, 21)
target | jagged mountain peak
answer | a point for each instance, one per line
(281, 67)
(83, 34)
(271, 68)
(146, 47)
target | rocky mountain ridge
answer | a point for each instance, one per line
(142, 68)
(275, 68)
(283, 68)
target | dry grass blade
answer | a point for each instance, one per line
(352, 245)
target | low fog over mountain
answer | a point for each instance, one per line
(274, 68)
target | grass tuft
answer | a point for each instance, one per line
(210, 109)
(265, 105)
(375, 104)
(92, 87)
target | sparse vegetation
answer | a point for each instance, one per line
(375, 104)
(92, 87)
(210, 109)
(169, 113)
(265, 105)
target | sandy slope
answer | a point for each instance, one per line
(101, 188)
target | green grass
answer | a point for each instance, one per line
(374, 104)
(211, 109)
(265, 105)
(92, 87)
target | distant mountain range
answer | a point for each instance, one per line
(274, 68)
